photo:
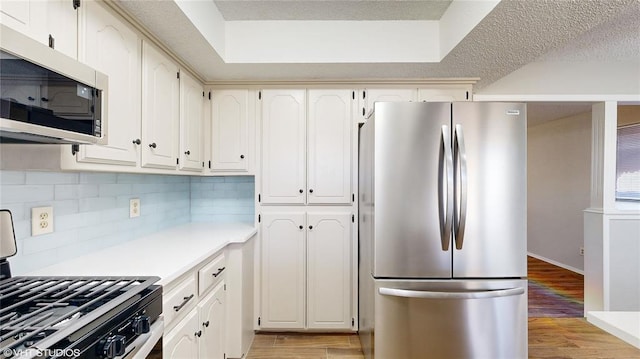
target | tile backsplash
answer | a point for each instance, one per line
(91, 210)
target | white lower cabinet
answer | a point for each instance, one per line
(211, 311)
(202, 319)
(306, 270)
(182, 341)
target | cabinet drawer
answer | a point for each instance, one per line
(180, 299)
(211, 273)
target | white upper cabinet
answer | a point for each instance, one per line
(283, 146)
(229, 130)
(371, 96)
(294, 173)
(113, 48)
(160, 109)
(445, 94)
(191, 123)
(51, 22)
(329, 149)
(62, 26)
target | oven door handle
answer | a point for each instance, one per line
(184, 302)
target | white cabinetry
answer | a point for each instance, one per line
(294, 172)
(191, 123)
(160, 109)
(230, 131)
(306, 270)
(182, 341)
(211, 311)
(445, 93)
(283, 270)
(329, 270)
(283, 146)
(329, 148)
(371, 96)
(112, 47)
(51, 22)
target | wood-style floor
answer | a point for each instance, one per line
(556, 327)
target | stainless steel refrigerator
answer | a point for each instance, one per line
(442, 231)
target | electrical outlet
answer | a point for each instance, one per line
(581, 251)
(41, 220)
(134, 207)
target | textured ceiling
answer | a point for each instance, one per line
(332, 10)
(514, 34)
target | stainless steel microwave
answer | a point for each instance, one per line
(48, 97)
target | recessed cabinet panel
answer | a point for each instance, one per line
(283, 270)
(191, 123)
(212, 323)
(229, 130)
(329, 154)
(111, 47)
(329, 270)
(283, 146)
(182, 340)
(160, 112)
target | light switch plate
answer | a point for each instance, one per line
(41, 220)
(134, 207)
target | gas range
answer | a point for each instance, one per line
(77, 317)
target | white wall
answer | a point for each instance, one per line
(558, 190)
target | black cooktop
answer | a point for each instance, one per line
(74, 314)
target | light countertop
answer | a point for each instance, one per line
(166, 254)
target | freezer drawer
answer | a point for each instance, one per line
(450, 319)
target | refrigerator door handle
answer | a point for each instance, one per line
(445, 205)
(494, 293)
(460, 169)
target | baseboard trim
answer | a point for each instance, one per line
(555, 263)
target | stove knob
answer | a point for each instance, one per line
(141, 324)
(114, 346)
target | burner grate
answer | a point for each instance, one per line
(40, 311)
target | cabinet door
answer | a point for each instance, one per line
(62, 26)
(329, 155)
(212, 323)
(229, 130)
(182, 341)
(26, 16)
(111, 47)
(191, 115)
(389, 95)
(283, 146)
(329, 271)
(445, 94)
(283, 270)
(160, 113)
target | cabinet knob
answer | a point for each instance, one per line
(31, 98)
(241, 156)
(206, 324)
(310, 227)
(198, 333)
(301, 191)
(300, 227)
(311, 191)
(187, 152)
(153, 145)
(137, 141)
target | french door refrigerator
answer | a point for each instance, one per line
(442, 231)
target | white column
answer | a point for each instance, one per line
(596, 226)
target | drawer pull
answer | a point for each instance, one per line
(184, 302)
(219, 271)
